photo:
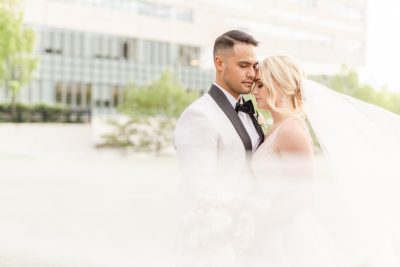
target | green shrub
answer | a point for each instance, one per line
(163, 97)
(153, 110)
(42, 113)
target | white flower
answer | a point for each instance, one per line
(226, 254)
(219, 220)
(218, 228)
(260, 119)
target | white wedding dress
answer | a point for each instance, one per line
(287, 234)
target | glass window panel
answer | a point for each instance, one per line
(133, 49)
(57, 42)
(77, 44)
(67, 42)
(48, 37)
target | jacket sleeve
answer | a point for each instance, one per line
(196, 144)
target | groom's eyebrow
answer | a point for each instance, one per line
(245, 62)
(249, 63)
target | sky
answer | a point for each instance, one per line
(383, 45)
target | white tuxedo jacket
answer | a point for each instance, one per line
(213, 147)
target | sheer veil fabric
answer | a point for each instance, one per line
(360, 144)
(344, 212)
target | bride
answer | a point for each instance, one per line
(340, 226)
(289, 233)
(277, 90)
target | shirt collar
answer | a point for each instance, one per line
(230, 97)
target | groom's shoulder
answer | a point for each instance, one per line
(201, 105)
(203, 110)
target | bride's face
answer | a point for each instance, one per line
(261, 94)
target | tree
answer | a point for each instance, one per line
(17, 62)
(347, 82)
(165, 97)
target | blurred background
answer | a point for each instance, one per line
(90, 91)
(86, 61)
(88, 51)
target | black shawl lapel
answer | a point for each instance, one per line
(256, 126)
(223, 102)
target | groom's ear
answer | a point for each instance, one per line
(219, 63)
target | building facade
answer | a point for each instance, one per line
(91, 50)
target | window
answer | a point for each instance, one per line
(47, 40)
(78, 92)
(52, 42)
(164, 11)
(68, 91)
(77, 44)
(114, 48)
(116, 96)
(67, 43)
(57, 44)
(58, 92)
(149, 8)
(105, 48)
(281, 31)
(184, 14)
(125, 50)
(97, 46)
(89, 94)
(154, 9)
(153, 51)
(189, 55)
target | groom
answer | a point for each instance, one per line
(215, 135)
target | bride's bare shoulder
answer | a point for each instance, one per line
(293, 138)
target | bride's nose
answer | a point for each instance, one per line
(254, 90)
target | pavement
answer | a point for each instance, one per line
(65, 203)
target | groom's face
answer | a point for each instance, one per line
(239, 68)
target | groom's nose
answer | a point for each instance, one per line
(251, 73)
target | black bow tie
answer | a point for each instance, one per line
(246, 107)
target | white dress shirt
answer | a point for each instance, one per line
(245, 118)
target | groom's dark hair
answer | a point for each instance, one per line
(229, 39)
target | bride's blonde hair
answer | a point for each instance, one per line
(282, 74)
